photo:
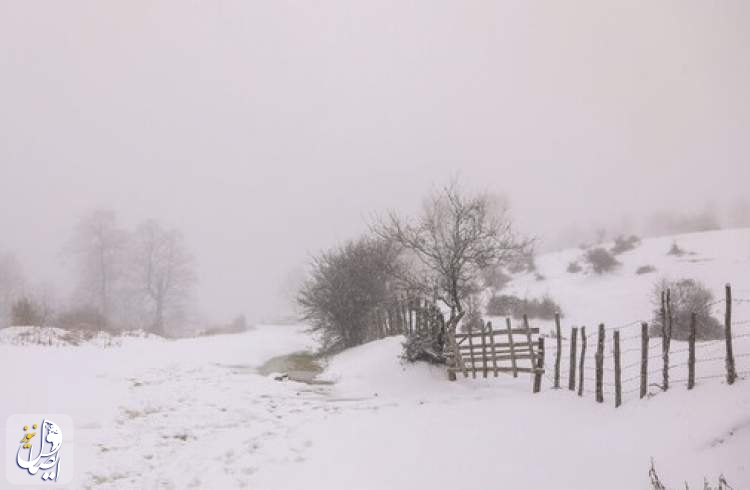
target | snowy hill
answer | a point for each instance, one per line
(715, 258)
(199, 413)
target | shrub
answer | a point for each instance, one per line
(687, 296)
(348, 285)
(645, 269)
(676, 250)
(574, 267)
(503, 305)
(624, 244)
(508, 305)
(601, 260)
(85, 318)
(25, 313)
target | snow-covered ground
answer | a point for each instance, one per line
(194, 413)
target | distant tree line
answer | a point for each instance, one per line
(125, 279)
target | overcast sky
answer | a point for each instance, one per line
(270, 130)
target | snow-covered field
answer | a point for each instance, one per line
(194, 413)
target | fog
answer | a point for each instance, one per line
(267, 131)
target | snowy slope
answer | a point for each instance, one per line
(619, 297)
(405, 427)
(195, 413)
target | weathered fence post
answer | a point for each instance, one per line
(529, 342)
(539, 366)
(618, 373)
(644, 359)
(731, 372)
(600, 365)
(494, 350)
(557, 353)
(666, 338)
(484, 352)
(512, 348)
(691, 353)
(471, 352)
(583, 357)
(572, 367)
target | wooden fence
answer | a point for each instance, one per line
(639, 361)
(407, 316)
(496, 351)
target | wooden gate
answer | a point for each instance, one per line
(508, 350)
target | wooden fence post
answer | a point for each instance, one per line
(691, 353)
(494, 350)
(618, 373)
(529, 342)
(644, 359)
(557, 353)
(583, 358)
(471, 353)
(599, 359)
(666, 332)
(539, 366)
(731, 372)
(484, 352)
(572, 367)
(512, 348)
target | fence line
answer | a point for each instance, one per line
(611, 374)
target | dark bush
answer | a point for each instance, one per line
(624, 244)
(347, 287)
(601, 260)
(508, 305)
(502, 305)
(85, 318)
(687, 296)
(645, 269)
(574, 267)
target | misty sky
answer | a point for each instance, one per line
(269, 130)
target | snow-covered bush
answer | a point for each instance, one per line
(601, 260)
(574, 267)
(624, 244)
(645, 269)
(687, 296)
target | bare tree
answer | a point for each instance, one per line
(456, 237)
(162, 273)
(98, 245)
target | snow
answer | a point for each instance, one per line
(195, 413)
